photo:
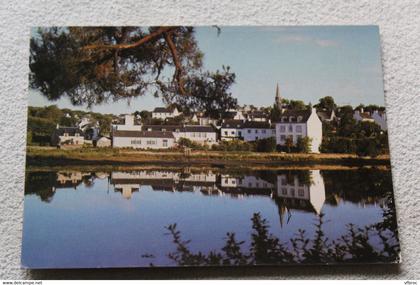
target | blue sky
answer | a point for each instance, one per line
(308, 62)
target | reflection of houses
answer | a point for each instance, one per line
(293, 193)
(70, 179)
(162, 181)
(247, 184)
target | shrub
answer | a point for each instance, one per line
(235, 145)
(184, 142)
(266, 145)
(303, 145)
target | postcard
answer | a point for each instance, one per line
(176, 146)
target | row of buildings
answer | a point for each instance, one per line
(243, 124)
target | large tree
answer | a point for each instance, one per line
(92, 65)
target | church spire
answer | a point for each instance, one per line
(278, 98)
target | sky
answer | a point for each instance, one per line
(307, 62)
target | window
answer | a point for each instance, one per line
(240, 133)
(151, 142)
(165, 143)
(256, 131)
(283, 181)
(301, 193)
(299, 118)
(273, 131)
(298, 129)
(257, 185)
(292, 192)
(282, 129)
(232, 132)
(135, 141)
(284, 191)
(283, 138)
(226, 133)
(263, 131)
(290, 128)
(249, 131)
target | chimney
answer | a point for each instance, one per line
(129, 120)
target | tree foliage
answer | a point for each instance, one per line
(92, 65)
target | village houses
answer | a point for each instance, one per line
(164, 113)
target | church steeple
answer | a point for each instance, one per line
(278, 98)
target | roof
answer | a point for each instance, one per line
(256, 125)
(324, 114)
(257, 114)
(71, 131)
(143, 134)
(238, 124)
(293, 116)
(179, 128)
(163, 110)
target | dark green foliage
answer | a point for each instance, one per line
(234, 145)
(184, 142)
(326, 103)
(209, 93)
(266, 145)
(303, 145)
(267, 249)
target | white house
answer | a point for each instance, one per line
(255, 130)
(360, 115)
(298, 193)
(67, 136)
(299, 124)
(231, 130)
(380, 119)
(196, 133)
(164, 113)
(143, 139)
(326, 115)
(127, 124)
(257, 116)
(103, 142)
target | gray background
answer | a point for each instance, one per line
(399, 23)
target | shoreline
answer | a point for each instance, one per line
(47, 156)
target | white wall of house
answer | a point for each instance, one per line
(253, 134)
(200, 137)
(128, 124)
(312, 128)
(103, 142)
(314, 131)
(228, 134)
(290, 129)
(380, 119)
(165, 115)
(67, 139)
(143, 142)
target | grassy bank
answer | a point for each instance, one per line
(48, 156)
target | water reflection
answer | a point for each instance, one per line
(205, 200)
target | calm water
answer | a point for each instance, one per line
(79, 219)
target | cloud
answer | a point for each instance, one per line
(305, 40)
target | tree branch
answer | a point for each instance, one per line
(143, 40)
(177, 62)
